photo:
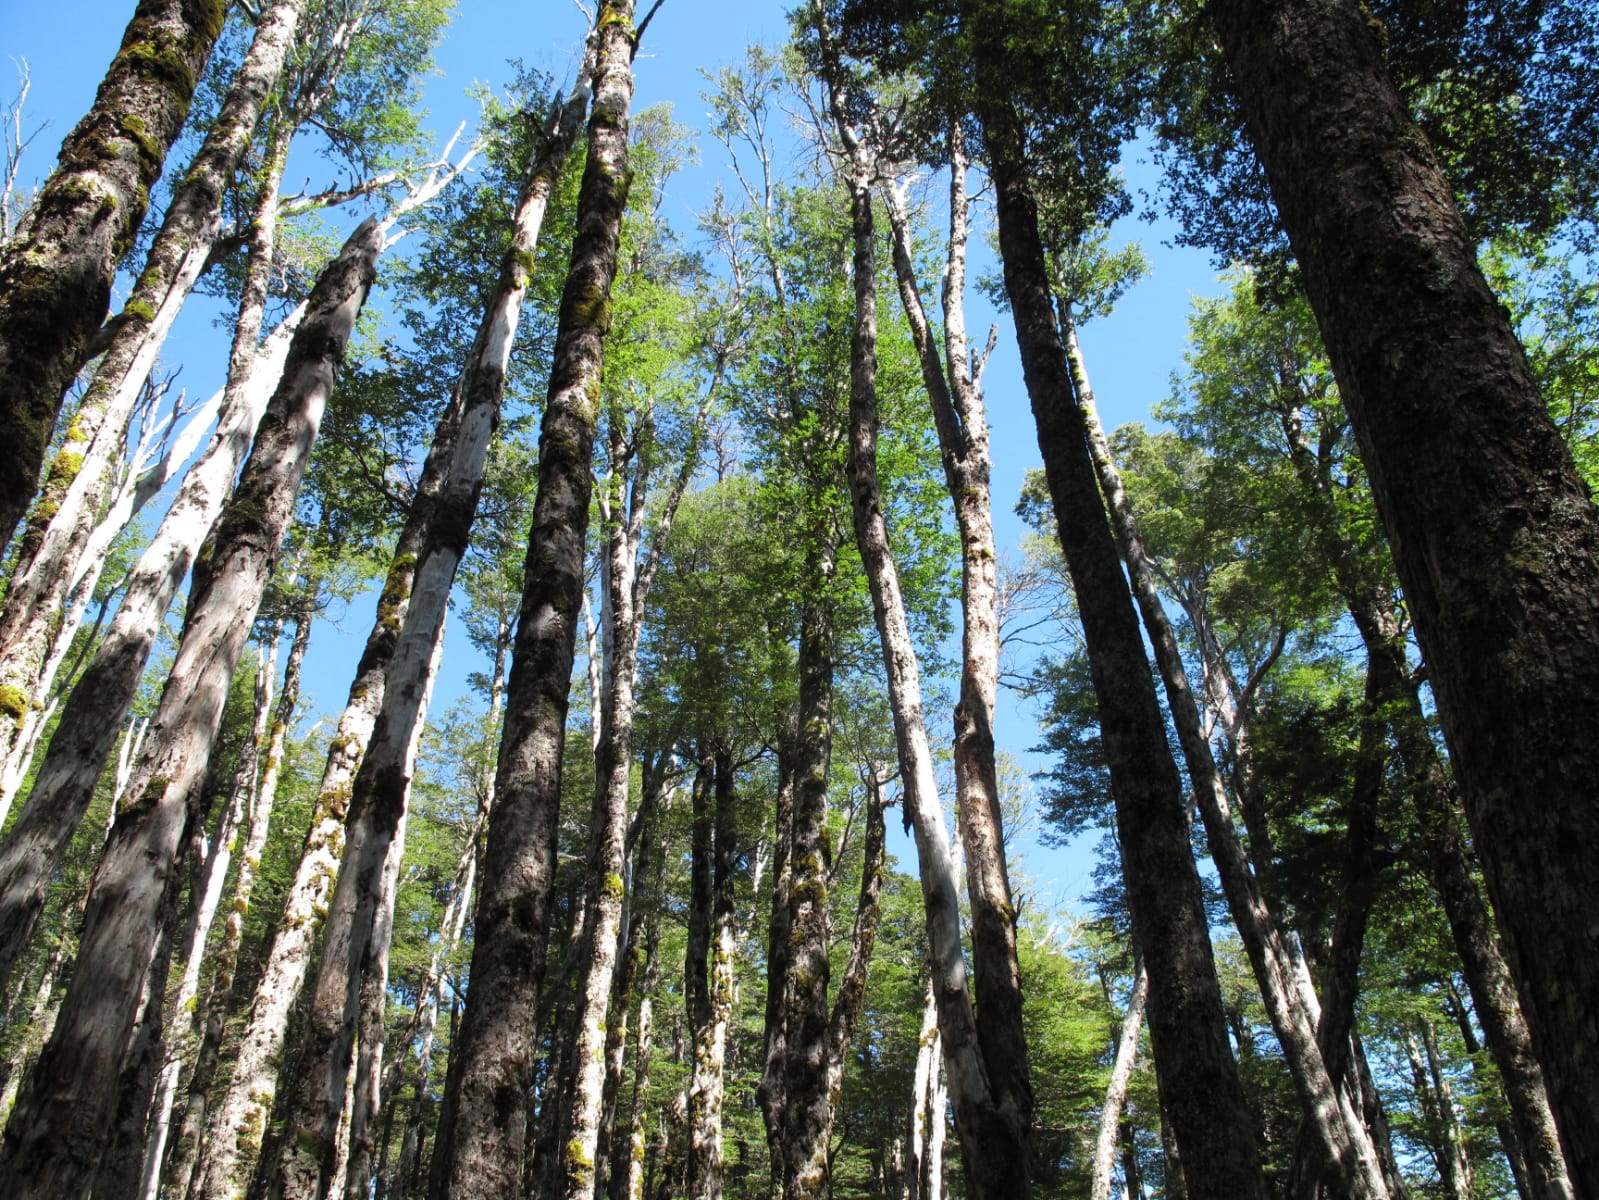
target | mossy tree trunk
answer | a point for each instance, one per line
(56, 273)
(354, 953)
(482, 1134)
(1198, 1078)
(97, 708)
(76, 486)
(1494, 536)
(58, 1132)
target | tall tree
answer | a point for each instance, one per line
(1199, 1082)
(1494, 535)
(54, 1140)
(481, 1138)
(55, 274)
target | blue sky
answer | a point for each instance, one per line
(1130, 355)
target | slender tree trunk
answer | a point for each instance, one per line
(1438, 1108)
(181, 1163)
(851, 998)
(771, 1093)
(1345, 1154)
(64, 1116)
(704, 1158)
(1121, 1072)
(927, 1111)
(1444, 847)
(1498, 552)
(991, 1090)
(626, 1178)
(993, 1141)
(807, 1114)
(482, 1133)
(56, 273)
(97, 708)
(354, 955)
(1199, 1080)
(78, 480)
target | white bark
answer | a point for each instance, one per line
(1116, 1090)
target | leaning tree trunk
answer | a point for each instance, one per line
(56, 273)
(993, 1140)
(482, 1133)
(1344, 1153)
(77, 482)
(1199, 1080)
(1446, 855)
(1494, 536)
(55, 1137)
(95, 711)
(179, 1168)
(354, 954)
(1121, 1072)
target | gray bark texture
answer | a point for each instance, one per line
(94, 713)
(482, 1132)
(1494, 536)
(1199, 1080)
(55, 275)
(58, 1132)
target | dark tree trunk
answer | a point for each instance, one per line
(1198, 1079)
(55, 275)
(58, 1131)
(483, 1131)
(1494, 535)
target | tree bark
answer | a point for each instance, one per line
(95, 712)
(1494, 536)
(993, 1133)
(56, 273)
(1121, 1071)
(52, 1148)
(958, 415)
(180, 1166)
(1444, 849)
(714, 994)
(77, 483)
(1198, 1078)
(480, 1144)
(1344, 1152)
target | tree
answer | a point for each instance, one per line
(55, 274)
(1498, 553)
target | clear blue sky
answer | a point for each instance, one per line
(1130, 355)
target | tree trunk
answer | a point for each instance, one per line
(927, 1112)
(56, 273)
(993, 1138)
(54, 1145)
(1199, 1080)
(771, 1093)
(1444, 849)
(1121, 1071)
(97, 708)
(807, 1115)
(77, 482)
(180, 1167)
(1498, 552)
(481, 1137)
(1344, 1153)
(993, 1083)
(851, 998)
(354, 954)
(704, 1159)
